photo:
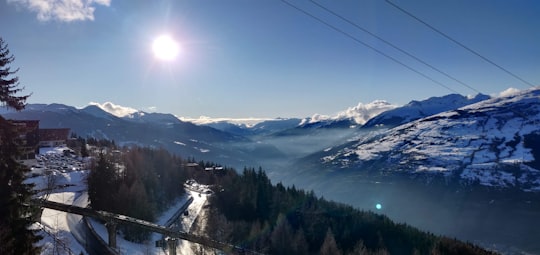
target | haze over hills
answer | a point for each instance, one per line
(265, 127)
(459, 172)
(148, 129)
(471, 172)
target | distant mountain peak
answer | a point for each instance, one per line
(363, 112)
(491, 142)
(153, 117)
(97, 111)
(114, 109)
(420, 109)
(352, 116)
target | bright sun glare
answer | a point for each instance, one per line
(165, 48)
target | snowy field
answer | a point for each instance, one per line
(60, 178)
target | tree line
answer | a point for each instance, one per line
(138, 182)
(249, 211)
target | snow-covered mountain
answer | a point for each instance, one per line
(110, 110)
(155, 130)
(156, 118)
(420, 109)
(262, 128)
(351, 117)
(493, 142)
(96, 111)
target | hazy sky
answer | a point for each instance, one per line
(262, 58)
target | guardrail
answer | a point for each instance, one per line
(118, 218)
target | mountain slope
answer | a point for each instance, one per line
(353, 116)
(420, 109)
(262, 128)
(155, 130)
(472, 173)
(486, 142)
(154, 117)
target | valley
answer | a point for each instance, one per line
(467, 172)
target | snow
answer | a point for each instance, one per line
(114, 109)
(184, 247)
(203, 150)
(55, 225)
(62, 231)
(180, 143)
(358, 114)
(361, 113)
(58, 227)
(481, 138)
(419, 109)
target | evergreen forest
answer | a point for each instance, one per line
(247, 210)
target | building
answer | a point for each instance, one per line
(51, 137)
(29, 137)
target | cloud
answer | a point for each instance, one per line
(203, 120)
(360, 113)
(117, 110)
(62, 10)
(363, 112)
(314, 119)
(509, 92)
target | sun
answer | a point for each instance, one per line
(165, 48)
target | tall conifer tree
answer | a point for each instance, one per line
(15, 214)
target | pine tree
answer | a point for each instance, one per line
(9, 86)
(282, 237)
(329, 246)
(84, 149)
(102, 184)
(15, 214)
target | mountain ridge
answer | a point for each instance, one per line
(419, 109)
(476, 142)
(183, 138)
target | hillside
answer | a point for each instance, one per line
(490, 142)
(472, 173)
(148, 129)
(420, 109)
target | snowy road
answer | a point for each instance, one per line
(186, 222)
(57, 228)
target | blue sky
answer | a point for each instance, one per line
(262, 58)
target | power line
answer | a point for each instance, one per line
(367, 45)
(458, 43)
(394, 46)
(393, 59)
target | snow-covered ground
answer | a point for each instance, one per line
(55, 228)
(63, 177)
(184, 247)
(483, 141)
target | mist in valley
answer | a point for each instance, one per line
(504, 220)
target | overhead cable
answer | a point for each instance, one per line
(458, 43)
(394, 46)
(367, 45)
